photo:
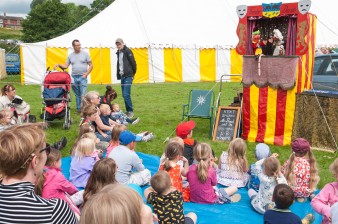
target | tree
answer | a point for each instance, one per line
(35, 3)
(99, 5)
(79, 14)
(46, 20)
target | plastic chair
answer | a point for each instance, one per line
(200, 105)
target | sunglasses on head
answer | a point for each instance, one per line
(47, 149)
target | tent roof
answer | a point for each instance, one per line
(180, 23)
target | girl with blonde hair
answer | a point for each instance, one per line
(300, 170)
(269, 177)
(116, 204)
(102, 174)
(202, 180)
(233, 165)
(115, 134)
(6, 116)
(82, 162)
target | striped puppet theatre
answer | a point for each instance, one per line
(271, 82)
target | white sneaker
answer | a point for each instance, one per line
(130, 114)
(148, 137)
(135, 121)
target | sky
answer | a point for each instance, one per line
(22, 7)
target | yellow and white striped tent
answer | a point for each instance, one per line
(173, 41)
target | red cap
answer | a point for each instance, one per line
(184, 128)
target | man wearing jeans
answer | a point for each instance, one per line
(126, 69)
(81, 67)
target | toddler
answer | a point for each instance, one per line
(98, 154)
(167, 201)
(300, 170)
(173, 154)
(53, 184)
(82, 163)
(262, 151)
(202, 180)
(118, 115)
(233, 165)
(6, 116)
(269, 177)
(115, 135)
(102, 174)
(328, 196)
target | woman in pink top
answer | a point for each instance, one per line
(327, 197)
(202, 180)
(115, 135)
(53, 184)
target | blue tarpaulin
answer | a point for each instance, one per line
(241, 212)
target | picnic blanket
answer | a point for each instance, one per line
(241, 212)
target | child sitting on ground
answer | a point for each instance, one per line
(184, 131)
(202, 180)
(167, 201)
(283, 197)
(98, 154)
(5, 118)
(127, 161)
(118, 115)
(82, 162)
(300, 170)
(53, 184)
(269, 177)
(233, 165)
(262, 151)
(89, 128)
(173, 154)
(115, 135)
(102, 174)
(328, 196)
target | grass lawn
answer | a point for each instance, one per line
(160, 108)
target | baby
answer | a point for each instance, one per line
(118, 115)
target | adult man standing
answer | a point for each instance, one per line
(126, 69)
(81, 67)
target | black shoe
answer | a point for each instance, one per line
(60, 144)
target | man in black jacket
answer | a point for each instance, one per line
(126, 69)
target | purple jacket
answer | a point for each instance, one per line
(56, 185)
(325, 199)
(80, 170)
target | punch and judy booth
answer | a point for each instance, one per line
(285, 34)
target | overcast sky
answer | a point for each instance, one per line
(22, 7)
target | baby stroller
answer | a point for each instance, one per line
(56, 97)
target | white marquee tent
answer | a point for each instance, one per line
(173, 40)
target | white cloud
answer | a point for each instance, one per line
(22, 7)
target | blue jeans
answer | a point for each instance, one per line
(99, 136)
(79, 88)
(126, 83)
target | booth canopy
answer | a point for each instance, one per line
(180, 23)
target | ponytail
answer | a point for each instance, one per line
(39, 184)
(289, 174)
(202, 170)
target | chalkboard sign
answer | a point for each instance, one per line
(226, 123)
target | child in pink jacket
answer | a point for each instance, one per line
(327, 197)
(53, 184)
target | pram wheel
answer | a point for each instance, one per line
(66, 126)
